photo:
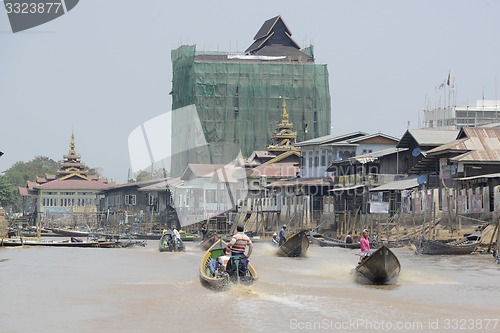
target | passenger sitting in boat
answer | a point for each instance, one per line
(220, 263)
(224, 258)
(348, 238)
(274, 240)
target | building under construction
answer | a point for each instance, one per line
(238, 97)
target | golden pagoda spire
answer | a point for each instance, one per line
(72, 145)
(284, 138)
(284, 114)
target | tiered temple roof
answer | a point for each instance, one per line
(72, 174)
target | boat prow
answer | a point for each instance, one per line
(381, 267)
(295, 246)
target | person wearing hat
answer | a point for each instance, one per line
(274, 240)
(283, 235)
(364, 243)
(348, 238)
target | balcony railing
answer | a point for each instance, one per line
(371, 179)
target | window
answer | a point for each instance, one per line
(130, 199)
(151, 200)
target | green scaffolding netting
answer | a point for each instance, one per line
(239, 101)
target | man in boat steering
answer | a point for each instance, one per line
(364, 243)
(241, 247)
(283, 235)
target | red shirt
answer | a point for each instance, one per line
(365, 244)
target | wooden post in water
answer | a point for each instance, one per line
(398, 223)
(413, 215)
(493, 235)
(425, 215)
(449, 212)
(434, 204)
(457, 217)
(498, 245)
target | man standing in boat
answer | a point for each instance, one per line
(241, 247)
(177, 236)
(364, 243)
(283, 235)
(204, 232)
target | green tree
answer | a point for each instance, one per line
(7, 192)
(21, 172)
(146, 175)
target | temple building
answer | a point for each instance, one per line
(238, 96)
(72, 190)
(280, 160)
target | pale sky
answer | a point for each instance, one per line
(104, 68)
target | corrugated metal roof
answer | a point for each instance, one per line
(475, 144)
(491, 175)
(370, 136)
(331, 138)
(397, 185)
(378, 154)
(345, 188)
(172, 182)
(76, 184)
(303, 182)
(201, 170)
(428, 137)
(478, 156)
(370, 157)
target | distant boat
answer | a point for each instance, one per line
(207, 243)
(185, 237)
(70, 232)
(295, 245)
(11, 242)
(325, 241)
(381, 267)
(466, 245)
(169, 243)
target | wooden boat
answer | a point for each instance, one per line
(296, 245)
(221, 279)
(168, 243)
(466, 245)
(10, 242)
(207, 243)
(380, 267)
(185, 237)
(120, 243)
(70, 232)
(188, 237)
(325, 241)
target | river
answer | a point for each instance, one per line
(83, 290)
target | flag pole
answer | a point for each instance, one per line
(449, 88)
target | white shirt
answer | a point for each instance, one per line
(177, 234)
